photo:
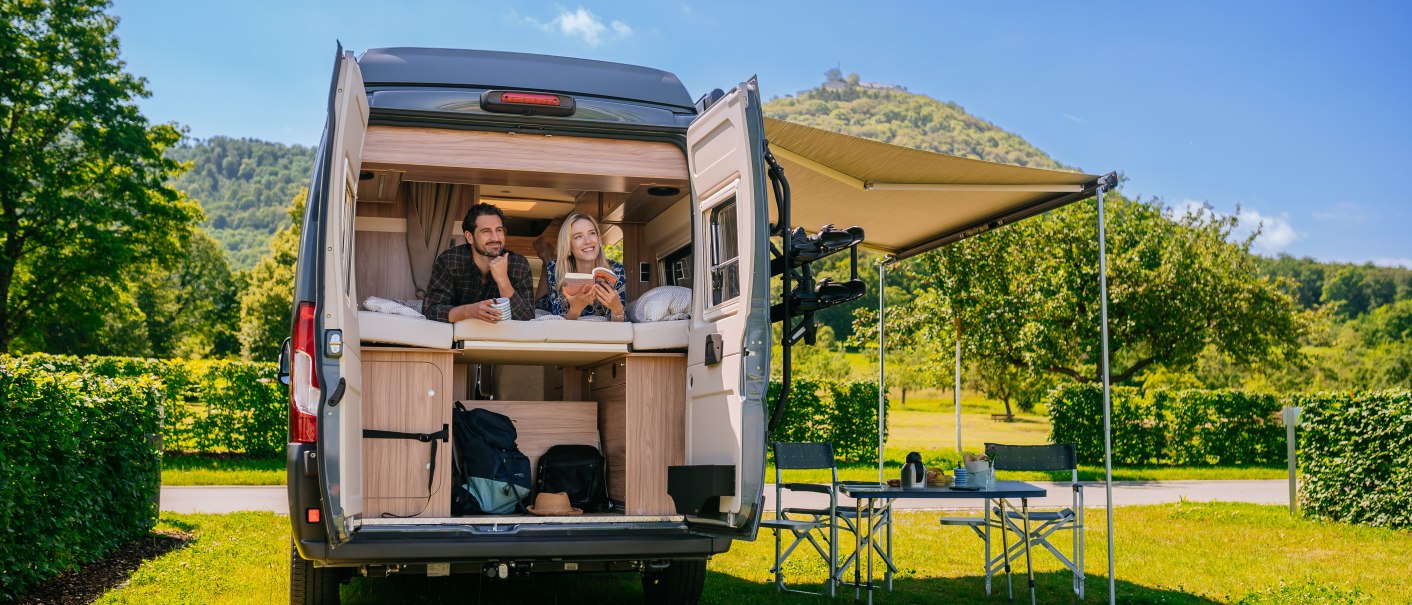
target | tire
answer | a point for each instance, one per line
(310, 585)
(679, 584)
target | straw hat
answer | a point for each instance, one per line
(553, 504)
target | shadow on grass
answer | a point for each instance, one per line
(1053, 587)
(475, 588)
(1050, 587)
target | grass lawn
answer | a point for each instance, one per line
(1174, 553)
(209, 469)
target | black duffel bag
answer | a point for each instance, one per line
(577, 470)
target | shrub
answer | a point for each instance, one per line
(1076, 416)
(845, 413)
(211, 406)
(79, 473)
(1356, 453)
(1189, 427)
(1222, 427)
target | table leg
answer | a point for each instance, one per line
(1025, 504)
(868, 544)
(1005, 549)
(857, 547)
(887, 516)
(985, 514)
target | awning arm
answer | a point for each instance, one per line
(1041, 188)
(1087, 190)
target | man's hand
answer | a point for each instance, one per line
(500, 269)
(481, 310)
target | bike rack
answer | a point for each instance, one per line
(801, 296)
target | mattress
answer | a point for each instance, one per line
(660, 335)
(401, 330)
(588, 332)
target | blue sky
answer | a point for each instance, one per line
(1298, 114)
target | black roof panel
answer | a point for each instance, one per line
(521, 71)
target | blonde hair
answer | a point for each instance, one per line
(565, 261)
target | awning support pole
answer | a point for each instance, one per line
(1107, 395)
(956, 393)
(882, 365)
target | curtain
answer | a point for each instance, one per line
(429, 209)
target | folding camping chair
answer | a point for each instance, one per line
(1054, 457)
(820, 527)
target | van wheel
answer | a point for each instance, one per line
(679, 584)
(310, 585)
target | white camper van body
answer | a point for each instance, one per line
(678, 184)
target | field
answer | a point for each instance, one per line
(1174, 553)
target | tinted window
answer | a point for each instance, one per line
(725, 253)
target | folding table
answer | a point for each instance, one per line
(1004, 492)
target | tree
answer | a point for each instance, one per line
(1348, 289)
(82, 198)
(193, 311)
(1025, 297)
(266, 306)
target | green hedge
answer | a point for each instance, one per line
(845, 413)
(79, 473)
(211, 406)
(1192, 427)
(1356, 454)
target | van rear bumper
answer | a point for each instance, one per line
(391, 549)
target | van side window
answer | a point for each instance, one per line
(676, 268)
(350, 212)
(725, 253)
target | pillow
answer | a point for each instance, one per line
(391, 307)
(660, 304)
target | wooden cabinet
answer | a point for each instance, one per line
(407, 391)
(641, 417)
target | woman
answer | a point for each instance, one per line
(580, 251)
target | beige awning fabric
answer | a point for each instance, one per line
(908, 201)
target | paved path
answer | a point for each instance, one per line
(226, 499)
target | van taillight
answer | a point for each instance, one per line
(303, 381)
(527, 103)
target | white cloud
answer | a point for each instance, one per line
(1073, 118)
(1276, 232)
(1405, 263)
(1344, 212)
(579, 23)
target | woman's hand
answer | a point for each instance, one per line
(608, 297)
(579, 301)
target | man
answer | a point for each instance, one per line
(466, 280)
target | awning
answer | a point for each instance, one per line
(909, 201)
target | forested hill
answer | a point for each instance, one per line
(892, 115)
(245, 186)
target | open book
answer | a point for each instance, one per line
(575, 283)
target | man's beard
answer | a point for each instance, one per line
(481, 250)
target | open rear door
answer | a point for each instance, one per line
(728, 354)
(341, 415)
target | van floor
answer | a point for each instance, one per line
(591, 518)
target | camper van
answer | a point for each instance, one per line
(695, 199)
(415, 137)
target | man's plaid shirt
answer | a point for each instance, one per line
(456, 280)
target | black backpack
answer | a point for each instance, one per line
(492, 476)
(579, 471)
